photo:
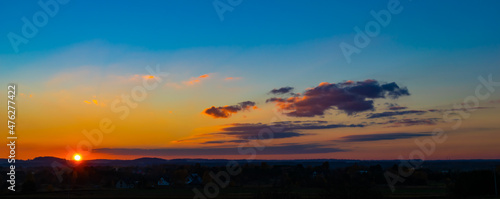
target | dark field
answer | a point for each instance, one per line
(156, 178)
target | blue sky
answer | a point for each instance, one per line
(167, 25)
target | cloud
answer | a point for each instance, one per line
(394, 113)
(240, 132)
(227, 111)
(195, 80)
(395, 107)
(383, 136)
(350, 97)
(460, 109)
(288, 126)
(224, 141)
(283, 149)
(411, 122)
(140, 77)
(280, 91)
(286, 129)
(254, 135)
(232, 78)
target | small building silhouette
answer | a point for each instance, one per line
(163, 182)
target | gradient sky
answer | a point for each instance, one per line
(90, 53)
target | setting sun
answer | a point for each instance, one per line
(77, 157)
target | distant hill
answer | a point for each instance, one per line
(334, 163)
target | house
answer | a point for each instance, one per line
(123, 185)
(163, 182)
(193, 179)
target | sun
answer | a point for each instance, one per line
(77, 157)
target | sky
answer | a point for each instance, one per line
(253, 79)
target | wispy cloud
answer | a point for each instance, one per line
(382, 136)
(232, 78)
(238, 132)
(195, 80)
(243, 132)
(411, 122)
(394, 113)
(395, 107)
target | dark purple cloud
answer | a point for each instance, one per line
(227, 111)
(395, 107)
(350, 97)
(286, 129)
(460, 109)
(224, 141)
(394, 113)
(282, 90)
(383, 136)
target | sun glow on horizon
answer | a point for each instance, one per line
(77, 157)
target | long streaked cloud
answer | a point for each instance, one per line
(394, 113)
(240, 132)
(286, 129)
(283, 149)
(411, 122)
(395, 107)
(350, 97)
(382, 136)
(227, 111)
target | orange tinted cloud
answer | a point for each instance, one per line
(227, 111)
(195, 80)
(139, 77)
(232, 78)
(96, 102)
